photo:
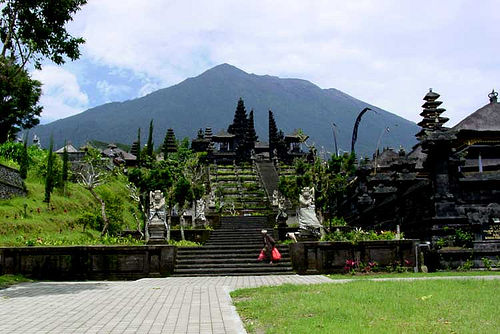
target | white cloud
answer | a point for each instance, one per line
(387, 53)
(149, 87)
(110, 92)
(61, 93)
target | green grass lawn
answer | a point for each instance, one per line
(8, 280)
(411, 274)
(445, 306)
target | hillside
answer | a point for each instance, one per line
(210, 100)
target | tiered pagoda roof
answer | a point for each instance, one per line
(431, 114)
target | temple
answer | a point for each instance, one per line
(239, 143)
(444, 189)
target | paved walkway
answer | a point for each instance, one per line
(160, 305)
(152, 305)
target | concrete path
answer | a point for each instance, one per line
(161, 305)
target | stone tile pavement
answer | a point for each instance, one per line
(152, 305)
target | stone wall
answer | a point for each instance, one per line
(11, 183)
(482, 254)
(89, 262)
(330, 257)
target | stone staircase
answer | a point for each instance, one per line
(239, 189)
(232, 250)
(269, 176)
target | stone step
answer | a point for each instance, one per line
(240, 232)
(254, 264)
(239, 218)
(235, 242)
(239, 260)
(229, 237)
(227, 253)
(230, 240)
(263, 270)
(235, 274)
(224, 247)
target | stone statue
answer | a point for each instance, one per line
(36, 141)
(252, 154)
(275, 198)
(282, 215)
(308, 222)
(200, 211)
(157, 225)
(211, 199)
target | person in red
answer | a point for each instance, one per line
(269, 245)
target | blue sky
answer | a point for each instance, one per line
(387, 53)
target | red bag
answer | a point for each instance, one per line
(276, 254)
(262, 256)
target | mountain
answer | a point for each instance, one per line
(210, 100)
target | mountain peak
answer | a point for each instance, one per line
(208, 100)
(224, 68)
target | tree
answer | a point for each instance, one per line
(65, 167)
(29, 32)
(33, 30)
(24, 159)
(183, 195)
(49, 178)
(91, 176)
(273, 134)
(19, 97)
(135, 195)
(251, 135)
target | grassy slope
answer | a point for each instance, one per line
(8, 280)
(457, 306)
(56, 224)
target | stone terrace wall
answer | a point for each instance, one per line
(11, 183)
(330, 257)
(89, 262)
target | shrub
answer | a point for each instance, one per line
(358, 234)
(91, 220)
(184, 243)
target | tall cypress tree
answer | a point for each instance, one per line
(65, 158)
(251, 135)
(273, 134)
(281, 145)
(49, 178)
(149, 147)
(24, 163)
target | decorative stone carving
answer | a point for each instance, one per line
(36, 141)
(200, 211)
(157, 225)
(282, 215)
(211, 199)
(275, 198)
(308, 222)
